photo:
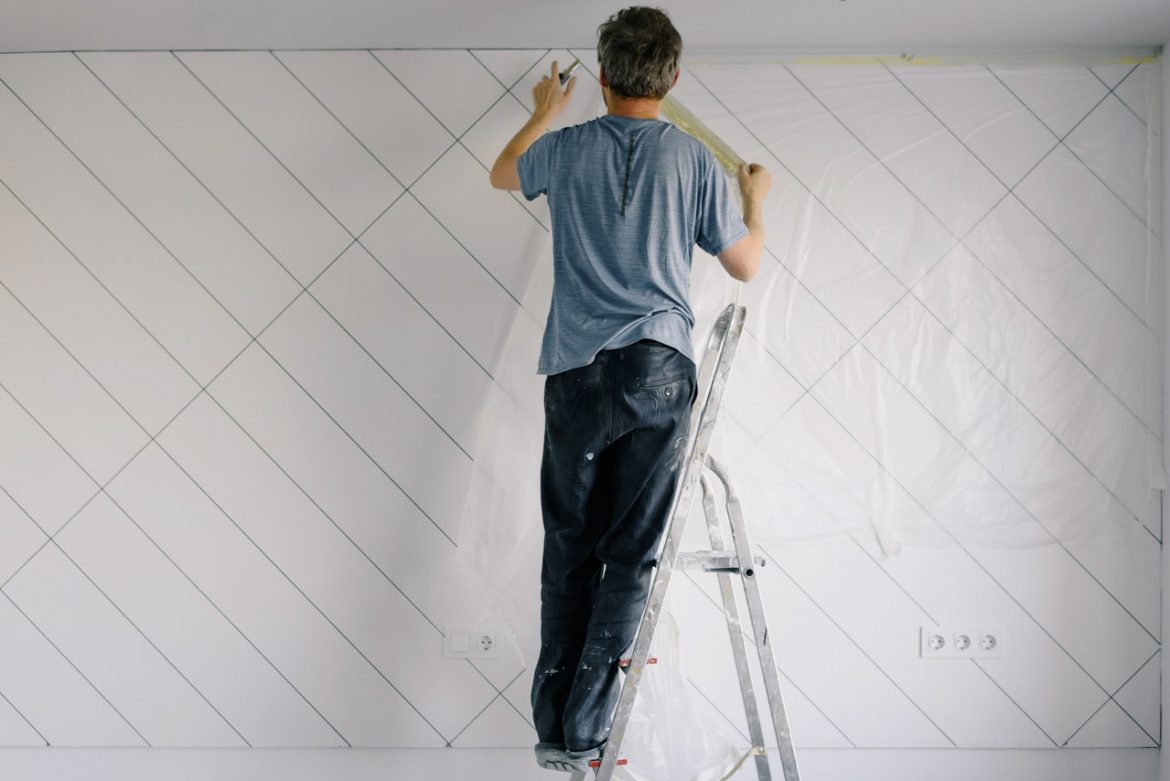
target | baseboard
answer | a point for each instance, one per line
(467, 764)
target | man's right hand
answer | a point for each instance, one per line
(548, 98)
(754, 182)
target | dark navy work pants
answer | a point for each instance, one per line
(614, 444)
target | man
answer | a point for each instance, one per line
(629, 195)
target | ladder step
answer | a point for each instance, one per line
(597, 762)
(626, 662)
(712, 561)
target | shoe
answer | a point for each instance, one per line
(554, 756)
(587, 753)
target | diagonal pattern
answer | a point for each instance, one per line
(1155, 568)
(276, 283)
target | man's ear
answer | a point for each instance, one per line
(602, 78)
(676, 73)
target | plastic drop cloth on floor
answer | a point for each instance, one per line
(954, 338)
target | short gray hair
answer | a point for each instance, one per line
(640, 50)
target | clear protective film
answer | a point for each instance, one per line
(954, 338)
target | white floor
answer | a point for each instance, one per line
(350, 764)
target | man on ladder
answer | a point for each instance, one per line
(629, 195)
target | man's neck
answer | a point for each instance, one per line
(638, 108)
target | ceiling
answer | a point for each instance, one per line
(707, 26)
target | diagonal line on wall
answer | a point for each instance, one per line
(268, 251)
(341, 124)
(323, 511)
(191, 173)
(1154, 738)
(517, 81)
(146, 637)
(897, 584)
(719, 710)
(498, 695)
(343, 227)
(719, 608)
(256, 138)
(343, 430)
(459, 142)
(927, 272)
(23, 718)
(909, 291)
(1013, 701)
(859, 647)
(261, 244)
(117, 300)
(153, 438)
(49, 640)
(353, 542)
(92, 581)
(1110, 91)
(1060, 142)
(1123, 103)
(988, 369)
(1008, 491)
(508, 91)
(126, 208)
(975, 560)
(527, 719)
(217, 608)
(963, 241)
(1109, 699)
(524, 106)
(102, 490)
(307, 598)
(799, 281)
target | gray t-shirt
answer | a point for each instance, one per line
(629, 199)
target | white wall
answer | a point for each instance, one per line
(250, 302)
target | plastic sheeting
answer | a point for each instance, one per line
(934, 353)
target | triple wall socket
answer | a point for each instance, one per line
(961, 641)
(463, 642)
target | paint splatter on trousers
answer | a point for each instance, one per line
(614, 445)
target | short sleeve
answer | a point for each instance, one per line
(534, 166)
(720, 222)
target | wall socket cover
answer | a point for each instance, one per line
(961, 641)
(472, 643)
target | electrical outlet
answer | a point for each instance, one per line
(961, 641)
(472, 643)
(991, 641)
(933, 643)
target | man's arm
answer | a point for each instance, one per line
(549, 101)
(742, 259)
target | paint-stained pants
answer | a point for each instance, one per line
(614, 445)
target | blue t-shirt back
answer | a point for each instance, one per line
(629, 199)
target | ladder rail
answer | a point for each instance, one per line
(721, 347)
(755, 605)
(735, 630)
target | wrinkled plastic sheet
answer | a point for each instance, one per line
(962, 415)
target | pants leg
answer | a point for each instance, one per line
(575, 403)
(654, 387)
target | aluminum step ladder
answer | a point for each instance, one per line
(724, 561)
